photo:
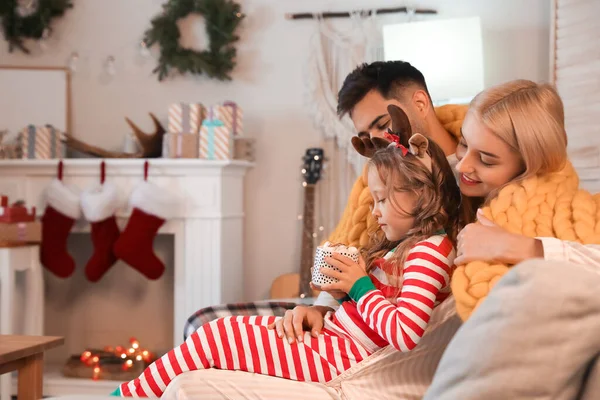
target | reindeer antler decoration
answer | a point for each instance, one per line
(151, 144)
(367, 146)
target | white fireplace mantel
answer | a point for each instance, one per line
(207, 228)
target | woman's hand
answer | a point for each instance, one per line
(302, 318)
(351, 272)
(487, 242)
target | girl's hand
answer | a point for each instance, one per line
(336, 294)
(487, 242)
(351, 272)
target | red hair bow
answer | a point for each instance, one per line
(396, 139)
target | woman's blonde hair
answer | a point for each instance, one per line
(530, 118)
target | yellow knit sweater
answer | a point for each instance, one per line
(357, 223)
(546, 206)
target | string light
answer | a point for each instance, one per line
(73, 59)
(130, 356)
(144, 50)
(321, 229)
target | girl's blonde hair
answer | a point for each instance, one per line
(437, 207)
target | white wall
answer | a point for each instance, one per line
(268, 84)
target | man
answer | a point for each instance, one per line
(364, 96)
(370, 88)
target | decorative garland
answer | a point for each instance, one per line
(222, 18)
(29, 19)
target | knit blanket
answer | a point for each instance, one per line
(543, 206)
(357, 224)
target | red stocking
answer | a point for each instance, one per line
(151, 205)
(99, 207)
(62, 209)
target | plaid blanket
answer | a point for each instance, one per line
(208, 314)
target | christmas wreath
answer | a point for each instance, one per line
(29, 19)
(218, 60)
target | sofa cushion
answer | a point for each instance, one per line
(534, 337)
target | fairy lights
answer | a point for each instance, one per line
(130, 356)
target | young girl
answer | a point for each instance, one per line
(390, 295)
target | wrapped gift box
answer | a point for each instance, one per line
(216, 140)
(180, 145)
(22, 232)
(41, 142)
(230, 114)
(15, 213)
(186, 118)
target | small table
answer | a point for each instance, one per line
(26, 354)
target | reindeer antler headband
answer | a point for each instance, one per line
(399, 136)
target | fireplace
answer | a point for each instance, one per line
(202, 248)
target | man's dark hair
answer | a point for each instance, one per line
(389, 78)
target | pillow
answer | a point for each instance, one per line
(534, 337)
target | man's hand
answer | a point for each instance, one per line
(487, 242)
(302, 318)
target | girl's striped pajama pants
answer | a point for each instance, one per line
(245, 343)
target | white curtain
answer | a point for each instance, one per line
(332, 56)
(575, 65)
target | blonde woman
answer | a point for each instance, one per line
(512, 131)
(536, 335)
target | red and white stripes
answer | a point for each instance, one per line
(245, 343)
(351, 334)
(375, 322)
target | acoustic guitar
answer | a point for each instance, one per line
(297, 285)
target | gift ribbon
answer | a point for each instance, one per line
(179, 145)
(234, 112)
(52, 141)
(185, 118)
(31, 141)
(185, 128)
(210, 125)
